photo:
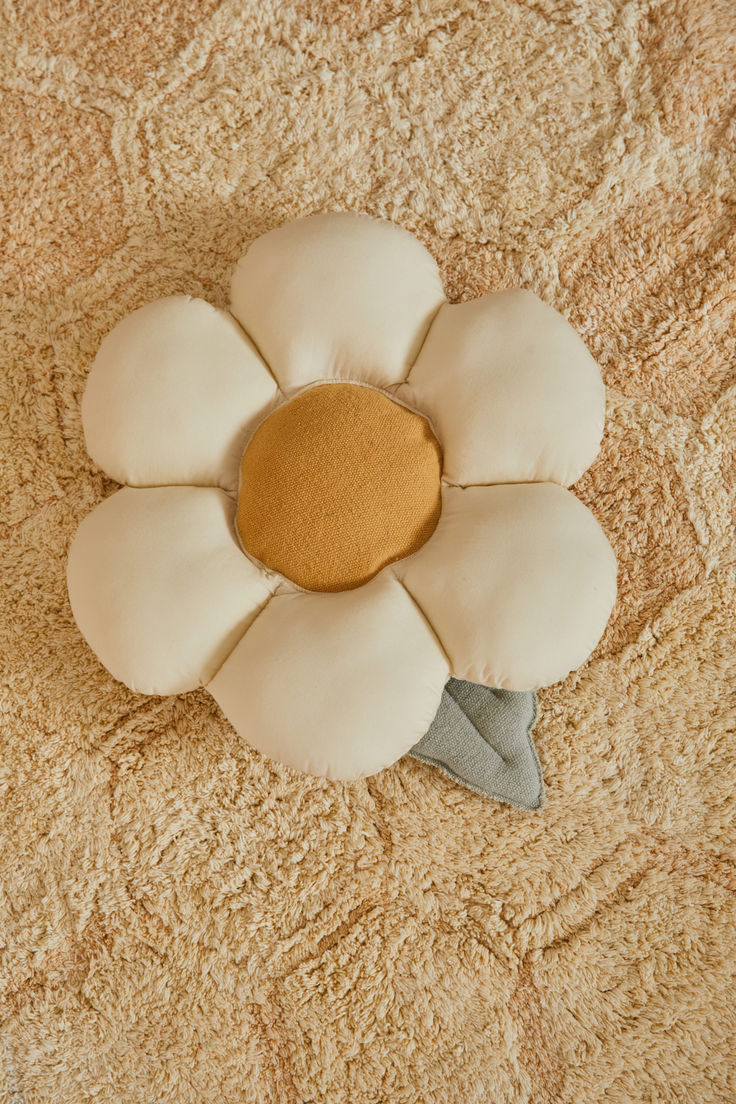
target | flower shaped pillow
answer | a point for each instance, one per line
(341, 495)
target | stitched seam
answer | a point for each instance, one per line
(444, 769)
(279, 390)
(449, 773)
(426, 619)
(239, 641)
(162, 486)
(476, 730)
(257, 348)
(423, 342)
(286, 398)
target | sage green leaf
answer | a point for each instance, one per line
(481, 738)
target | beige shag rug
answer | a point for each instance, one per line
(182, 920)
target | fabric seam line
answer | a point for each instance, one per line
(261, 609)
(426, 620)
(485, 793)
(423, 342)
(256, 346)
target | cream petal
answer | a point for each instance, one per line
(337, 296)
(518, 583)
(512, 392)
(338, 685)
(171, 394)
(159, 587)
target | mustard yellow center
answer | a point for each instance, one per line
(335, 484)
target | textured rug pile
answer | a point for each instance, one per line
(182, 920)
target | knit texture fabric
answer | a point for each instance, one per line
(337, 483)
(481, 738)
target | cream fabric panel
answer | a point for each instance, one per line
(517, 581)
(337, 296)
(171, 394)
(513, 393)
(159, 587)
(339, 685)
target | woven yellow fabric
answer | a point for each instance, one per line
(337, 483)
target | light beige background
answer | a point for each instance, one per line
(183, 920)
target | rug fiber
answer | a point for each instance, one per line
(184, 921)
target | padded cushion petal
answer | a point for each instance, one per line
(339, 685)
(518, 583)
(159, 586)
(337, 296)
(171, 394)
(512, 391)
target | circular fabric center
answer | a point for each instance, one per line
(337, 483)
